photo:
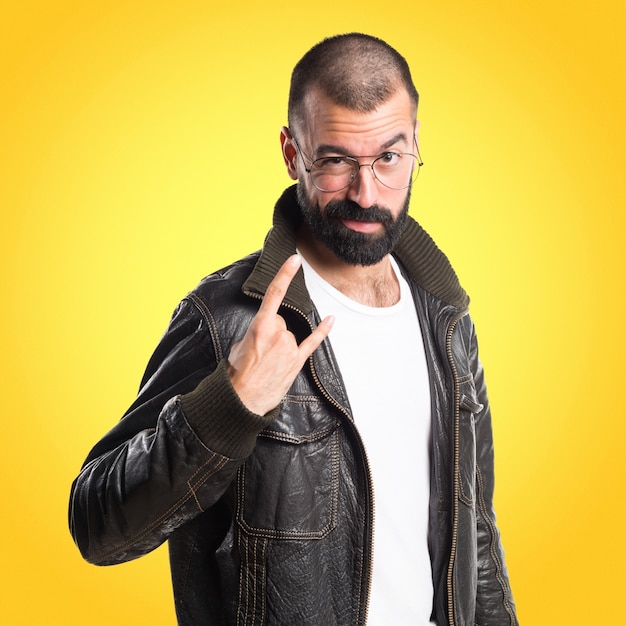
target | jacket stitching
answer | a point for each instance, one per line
(211, 325)
(252, 573)
(193, 488)
(470, 405)
(101, 556)
(469, 500)
(252, 581)
(296, 534)
(243, 550)
(492, 547)
(260, 575)
(297, 439)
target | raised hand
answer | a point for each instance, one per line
(264, 364)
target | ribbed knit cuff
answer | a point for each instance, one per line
(219, 417)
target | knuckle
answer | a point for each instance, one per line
(274, 290)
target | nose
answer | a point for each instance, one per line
(364, 188)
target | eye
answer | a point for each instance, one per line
(333, 164)
(389, 159)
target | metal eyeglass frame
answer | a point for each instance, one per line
(358, 166)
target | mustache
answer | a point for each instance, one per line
(346, 209)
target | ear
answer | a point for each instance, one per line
(290, 153)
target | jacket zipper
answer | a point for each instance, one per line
(455, 506)
(369, 527)
(372, 505)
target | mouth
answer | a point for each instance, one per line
(361, 226)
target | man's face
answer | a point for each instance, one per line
(361, 223)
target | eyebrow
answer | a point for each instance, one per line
(329, 148)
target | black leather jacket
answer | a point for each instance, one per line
(269, 518)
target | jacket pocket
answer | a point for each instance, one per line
(288, 488)
(469, 407)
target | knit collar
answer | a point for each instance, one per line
(423, 261)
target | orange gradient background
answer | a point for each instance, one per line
(139, 151)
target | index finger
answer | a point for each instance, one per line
(277, 289)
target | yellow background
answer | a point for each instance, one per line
(139, 151)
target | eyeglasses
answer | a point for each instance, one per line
(394, 170)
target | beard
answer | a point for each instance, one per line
(352, 247)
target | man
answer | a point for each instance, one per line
(312, 434)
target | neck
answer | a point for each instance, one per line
(372, 285)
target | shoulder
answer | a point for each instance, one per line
(224, 285)
(219, 301)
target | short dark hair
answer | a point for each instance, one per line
(356, 71)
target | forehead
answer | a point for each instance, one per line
(329, 124)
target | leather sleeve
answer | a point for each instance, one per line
(157, 469)
(494, 601)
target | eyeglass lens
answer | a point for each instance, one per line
(394, 170)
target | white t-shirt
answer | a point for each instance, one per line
(381, 357)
